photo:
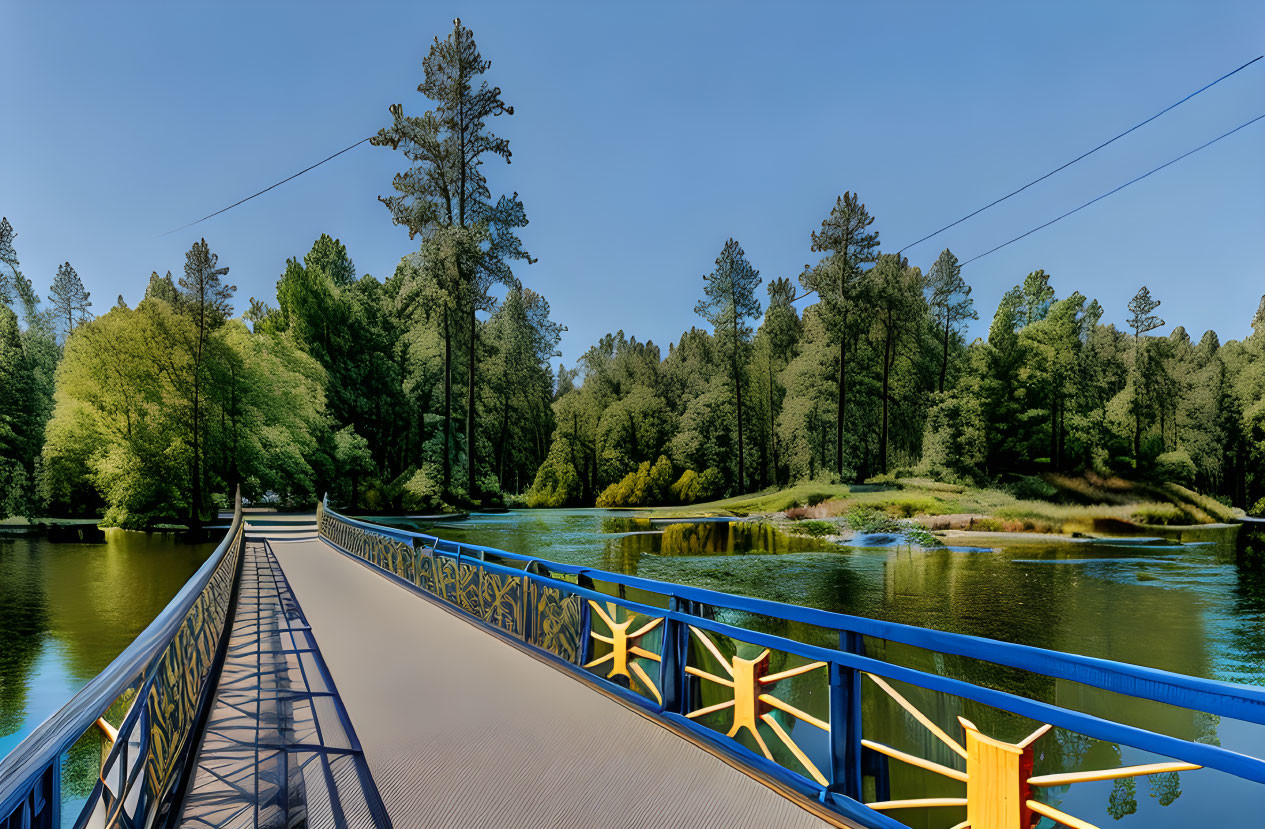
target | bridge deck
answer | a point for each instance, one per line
(459, 728)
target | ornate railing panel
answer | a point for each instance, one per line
(871, 719)
(141, 711)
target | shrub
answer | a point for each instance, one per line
(685, 490)
(817, 529)
(954, 442)
(869, 520)
(711, 484)
(421, 493)
(489, 489)
(1158, 514)
(921, 536)
(908, 507)
(1032, 488)
(557, 483)
(1175, 467)
(647, 486)
(815, 498)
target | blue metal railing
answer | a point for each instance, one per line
(811, 742)
(159, 686)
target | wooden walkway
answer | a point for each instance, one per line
(460, 728)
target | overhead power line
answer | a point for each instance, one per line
(1116, 190)
(1082, 155)
(270, 187)
(1097, 199)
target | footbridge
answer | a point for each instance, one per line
(327, 671)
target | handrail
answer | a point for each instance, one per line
(41, 750)
(524, 599)
(1242, 702)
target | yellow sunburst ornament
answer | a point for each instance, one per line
(747, 678)
(623, 645)
(997, 776)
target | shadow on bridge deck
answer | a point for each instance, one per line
(460, 728)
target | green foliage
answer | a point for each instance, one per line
(1031, 487)
(1176, 467)
(868, 519)
(686, 489)
(692, 487)
(122, 432)
(648, 486)
(69, 298)
(423, 493)
(729, 301)
(816, 529)
(557, 484)
(955, 445)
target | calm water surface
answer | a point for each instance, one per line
(66, 610)
(1180, 607)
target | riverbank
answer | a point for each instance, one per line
(1073, 506)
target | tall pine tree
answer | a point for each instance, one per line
(729, 301)
(850, 245)
(446, 188)
(70, 299)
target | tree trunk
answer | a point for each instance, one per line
(887, 371)
(470, 412)
(742, 472)
(843, 402)
(447, 405)
(1137, 404)
(772, 423)
(195, 505)
(944, 363)
(1137, 433)
(1054, 431)
(501, 444)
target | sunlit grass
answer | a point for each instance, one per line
(984, 509)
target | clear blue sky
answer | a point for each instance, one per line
(645, 135)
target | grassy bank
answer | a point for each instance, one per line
(1074, 505)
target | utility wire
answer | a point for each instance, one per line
(1116, 190)
(1082, 155)
(1151, 172)
(266, 189)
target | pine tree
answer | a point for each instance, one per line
(1141, 321)
(837, 282)
(898, 309)
(206, 299)
(1038, 296)
(70, 299)
(780, 330)
(446, 188)
(950, 303)
(729, 302)
(8, 258)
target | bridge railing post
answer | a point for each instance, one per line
(672, 660)
(845, 721)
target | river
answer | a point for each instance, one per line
(67, 609)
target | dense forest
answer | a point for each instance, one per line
(435, 387)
